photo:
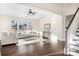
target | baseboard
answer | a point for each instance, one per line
(61, 40)
(9, 44)
(56, 53)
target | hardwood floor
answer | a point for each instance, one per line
(34, 49)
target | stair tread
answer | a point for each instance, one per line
(77, 31)
(75, 45)
(75, 39)
(75, 51)
(76, 35)
(77, 28)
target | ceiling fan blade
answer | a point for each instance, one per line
(31, 12)
(28, 14)
(34, 13)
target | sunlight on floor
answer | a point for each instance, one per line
(23, 41)
(53, 39)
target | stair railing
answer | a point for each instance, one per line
(67, 28)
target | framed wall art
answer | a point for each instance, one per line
(47, 26)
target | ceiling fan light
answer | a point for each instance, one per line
(31, 12)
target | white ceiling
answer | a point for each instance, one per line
(70, 8)
(43, 9)
(52, 7)
(59, 8)
(21, 11)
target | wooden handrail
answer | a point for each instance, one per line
(72, 19)
(68, 28)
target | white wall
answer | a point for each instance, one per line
(68, 19)
(4, 23)
(56, 25)
(54, 19)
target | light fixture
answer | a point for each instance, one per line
(30, 12)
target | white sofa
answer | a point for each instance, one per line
(8, 38)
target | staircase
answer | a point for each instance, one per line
(72, 36)
(74, 44)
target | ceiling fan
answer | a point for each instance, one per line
(31, 12)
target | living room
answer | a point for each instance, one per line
(24, 24)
